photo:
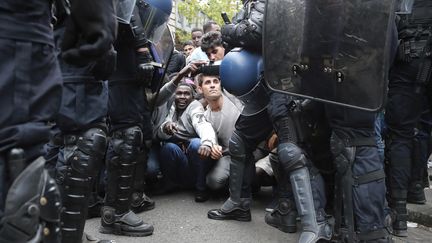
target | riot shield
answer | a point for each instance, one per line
(153, 21)
(124, 10)
(161, 52)
(334, 51)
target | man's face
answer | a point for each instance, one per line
(183, 97)
(196, 38)
(215, 27)
(211, 87)
(216, 53)
(188, 49)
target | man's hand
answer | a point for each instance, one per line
(204, 151)
(190, 68)
(216, 152)
(90, 31)
(170, 128)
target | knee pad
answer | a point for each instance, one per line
(83, 155)
(127, 144)
(32, 213)
(237, 147)
(291, 157)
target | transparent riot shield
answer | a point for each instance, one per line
(334, 51)
(153, 21)
(124, 9)
(161, 52)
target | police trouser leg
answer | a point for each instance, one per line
(83, 155)
(359, 173)
(416, 187)
(239, 170)
(116, 215)
(140, 201)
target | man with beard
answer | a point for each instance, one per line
(189, 138)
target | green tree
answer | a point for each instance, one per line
(212, 8)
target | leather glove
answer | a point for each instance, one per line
(90, 31)
(145, 70)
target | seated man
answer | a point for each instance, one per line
(222, 112)
(189, 137)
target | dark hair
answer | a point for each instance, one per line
(211, 40)
(200, 77)
(207, 26)
(187, 85)
(188, 43)
(196, 30)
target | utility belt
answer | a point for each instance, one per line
(413, 49)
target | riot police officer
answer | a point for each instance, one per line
(330, 54)
(246, 31)
(409, 87)
(82, 124)
(31, 88)
(139, 28)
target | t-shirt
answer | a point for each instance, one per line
(198, 55)
(223, 121)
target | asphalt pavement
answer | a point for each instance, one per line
(177, 218)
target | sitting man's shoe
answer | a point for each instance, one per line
(141, 202)
(283, 217)
(231, 210)
(125, 224)
(201, 196)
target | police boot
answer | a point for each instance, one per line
(284, 216)
(313, 230)
(117, 218)
(141, 202)
(83, 155)
(231, 210)
(123, 224)
(416, 193)
(399, 213)
(236, 207)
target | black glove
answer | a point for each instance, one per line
(105, 66)
(90, 31)
(145, 69)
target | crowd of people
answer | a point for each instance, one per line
(95, 126)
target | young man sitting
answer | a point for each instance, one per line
(189, 138)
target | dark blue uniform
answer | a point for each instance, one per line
(409, 90)
(30, 95)
(30, 80)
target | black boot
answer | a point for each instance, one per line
(123, 224)
(416, 193)
(83, 156)
(141, 202)
(117, 218)
(232, 211)
(284, 216)
(399, 217)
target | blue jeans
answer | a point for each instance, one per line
(185, 168)
(153, 167)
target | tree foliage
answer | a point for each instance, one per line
(212, 8)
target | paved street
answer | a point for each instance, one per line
(177, 218)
